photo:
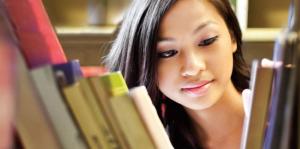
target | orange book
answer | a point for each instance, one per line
(93, 71)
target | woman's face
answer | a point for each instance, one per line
(195, 52)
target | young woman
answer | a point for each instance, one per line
(188, 55)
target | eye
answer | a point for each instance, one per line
(208, 41)
(167, 54)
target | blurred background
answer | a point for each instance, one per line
(86, 27)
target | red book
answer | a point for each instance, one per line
(37, 38)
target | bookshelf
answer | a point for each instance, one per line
(88, 44)
(267, 13)
(85, 12)
(84, 41)
(265, 21)
(78, 31)
(96, 37)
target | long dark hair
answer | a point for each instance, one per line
(134, 53)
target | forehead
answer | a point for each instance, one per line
(188, 14)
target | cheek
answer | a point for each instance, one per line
(166, 76)
(162, 73)
(221, 63)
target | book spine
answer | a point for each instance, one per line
(83, 115)
(7, 92)
(98, 114)
(130, 123)
(37, 38)
(150, 117)
(60, 117)
(106, 87)
(31, 117)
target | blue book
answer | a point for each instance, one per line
(281, 130)
(68, 73)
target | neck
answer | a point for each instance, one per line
(221, 123)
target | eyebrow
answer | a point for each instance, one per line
(200, 27)
(203, 25)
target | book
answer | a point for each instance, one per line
(291, 52)
(281, 107)
(283, 115)
(37, 38)
(93, 71)
(54, 104)
(105, 87)
(296, 135)
(7, 95)
(32, 122)
(149, 115)
(28, 117)
(8, 98)
(68, 73)
(130, 123)
(84, 116)
(297, 112)
(98, 114)
(255, 125)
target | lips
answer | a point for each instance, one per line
(197, 89)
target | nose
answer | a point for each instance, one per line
(193, 63)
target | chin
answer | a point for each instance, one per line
(201, 104)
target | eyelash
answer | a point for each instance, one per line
(170, 53)
(208, 41)
(167, 54)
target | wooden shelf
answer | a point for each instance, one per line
(250, 35)
(261, 34)
(102, 30)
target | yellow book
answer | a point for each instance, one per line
(84, 116)
(98, 114)
(131, 124)
(54, 104)
(105, 87)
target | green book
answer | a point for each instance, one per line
(114, 84)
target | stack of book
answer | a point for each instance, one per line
(64, 105)
(85, 112)
(274, 119)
